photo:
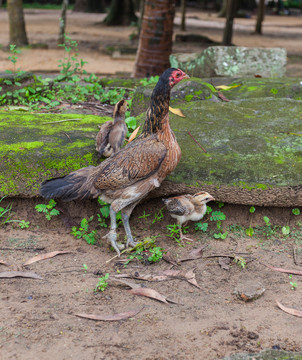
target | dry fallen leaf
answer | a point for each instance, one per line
(190, 276)
(226, 87)
(293, 272)
(45, 256)
(151, 293)
(289, 310)
(224, 262)
(168, 257)
(176, 111)
(133, 135)
(12, 274)
(222, 96)
(194, 254)
(111, 317)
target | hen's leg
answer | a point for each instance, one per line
(130, 241)
(112, 236)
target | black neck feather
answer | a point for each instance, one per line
(158, 109)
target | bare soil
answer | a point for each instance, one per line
(38, 316)
(210, 322)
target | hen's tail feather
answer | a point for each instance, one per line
(77, 185)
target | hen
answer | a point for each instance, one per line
(129, 175)
(111, 136)
(187, 207)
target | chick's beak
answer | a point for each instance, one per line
(211, 198)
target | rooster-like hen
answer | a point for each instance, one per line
(130, 174)
(188, 207)
(111, 136)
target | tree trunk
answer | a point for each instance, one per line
(260, 17)
(17, 31)
(228, 29)
(223, 10)
(121, 12)
(94, 6)
(183, 5)
(62, 22)
(155, 41)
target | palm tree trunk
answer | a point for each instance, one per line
(17, 32)
(155, 41)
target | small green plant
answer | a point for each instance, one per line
(85, 268)
(48, 209)
(285, 230)
(296, 211)
(150, 80)
(144, 216)
(220, 204)
(240, 261)
(13, 57)
(201, 226)
(102, 283)
(293, 284)
(250, 231)
(146, 251)
(156, 254)
(158, 216)
(221, 235)
(23, 224)
(82, 231)
(174, 231)
(71, 65)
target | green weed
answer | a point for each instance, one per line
(102, 283)
(48, 209)
(82, 231)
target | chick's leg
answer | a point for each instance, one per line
(182, 237)
(130, 241)
(112, 236)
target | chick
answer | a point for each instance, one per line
(188, 207)
(111, 136)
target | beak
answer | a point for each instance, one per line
(186, 76)
(211, 198)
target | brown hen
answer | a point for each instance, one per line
(111, 136)
(188, 207)
(129, 175)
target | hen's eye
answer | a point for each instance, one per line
(177, 75)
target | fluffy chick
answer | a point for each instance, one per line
(188, 207)
(111, 136)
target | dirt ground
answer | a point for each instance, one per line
(210, 322)
(94, 39)
(38, 316)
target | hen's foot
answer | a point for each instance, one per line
(131, 242)
(112, 236)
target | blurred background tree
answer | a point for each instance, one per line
(17, 31)
(155, 41)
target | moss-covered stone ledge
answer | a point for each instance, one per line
(35, 147)
(245, 151)
(253, 146)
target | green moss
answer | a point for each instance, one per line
(188, 98)
(20, 146)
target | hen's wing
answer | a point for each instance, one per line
(179, 205)
(103, 136)
(136, 161)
